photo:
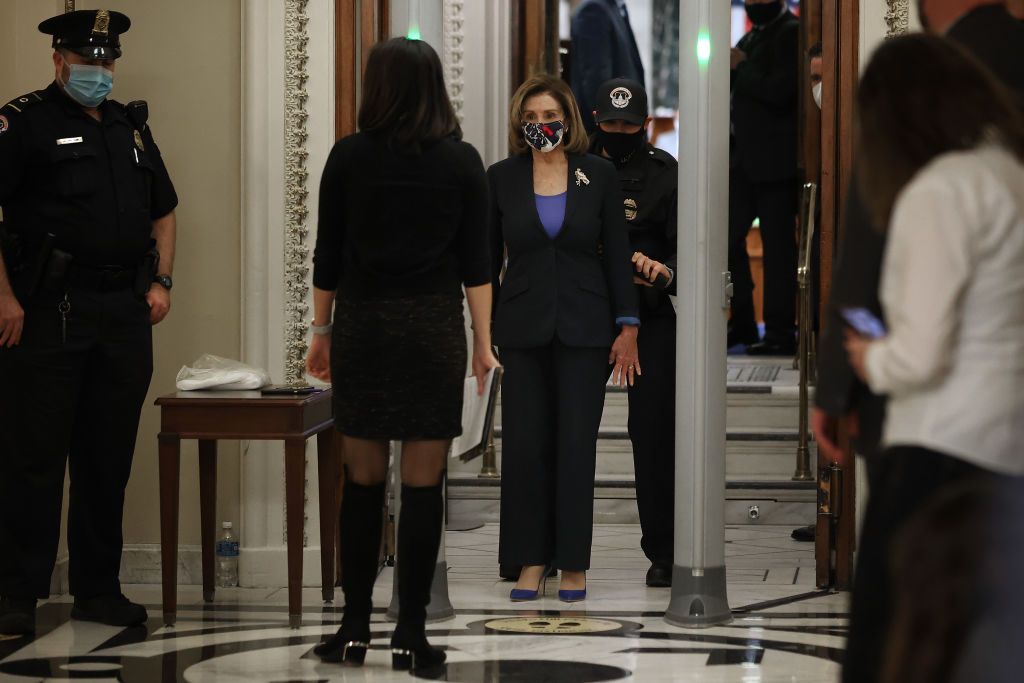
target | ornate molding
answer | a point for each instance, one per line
(454, 40)
(69, 6)
(296, 253)
(897, 17)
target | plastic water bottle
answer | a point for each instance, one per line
(227, 558)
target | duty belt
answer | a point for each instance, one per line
(100, 278)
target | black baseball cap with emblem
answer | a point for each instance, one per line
(90, 33)
(621, 99)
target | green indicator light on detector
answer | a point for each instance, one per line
(703, 49)
(414, 33)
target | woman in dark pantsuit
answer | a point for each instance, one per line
(402, 229)
(566, 309)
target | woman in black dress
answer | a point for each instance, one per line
(402, 228)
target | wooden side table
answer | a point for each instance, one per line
(246, 415)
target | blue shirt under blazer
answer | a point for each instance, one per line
(574, 285)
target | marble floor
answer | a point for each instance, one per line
(783, 628)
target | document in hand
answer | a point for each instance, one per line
(477, 414)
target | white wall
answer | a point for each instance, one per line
(194, 97)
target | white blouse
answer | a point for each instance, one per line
(953, 293)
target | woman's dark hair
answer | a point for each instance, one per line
(921, 97)
(404, 96)
(955, 565)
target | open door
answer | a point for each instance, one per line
(359, 25)
(840, 22)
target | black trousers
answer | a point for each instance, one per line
(652, 405)
(901, 481)
(551, 405)
(775, 204)
(70, 402)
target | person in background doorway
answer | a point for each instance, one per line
(806, 534)
(603, 47)
(762, 180)
(649, 178)
(815, 70)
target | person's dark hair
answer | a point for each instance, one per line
(404, 96)
(920, 97)
(814, 50)
(956, 565)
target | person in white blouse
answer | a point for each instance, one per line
(941, 148)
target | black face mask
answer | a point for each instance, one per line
(621, 146)
(762, 14)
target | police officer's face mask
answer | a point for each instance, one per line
(87, 84)
(621, 146)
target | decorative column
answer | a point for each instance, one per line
(296, 253)
(287, 134)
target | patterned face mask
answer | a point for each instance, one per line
(544, 137)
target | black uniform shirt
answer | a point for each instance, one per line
(96, 186)
(650, 198)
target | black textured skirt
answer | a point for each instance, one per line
(398, 367)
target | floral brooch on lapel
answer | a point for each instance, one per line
(581, 178)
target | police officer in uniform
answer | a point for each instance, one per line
(649, 178)
(88, 248)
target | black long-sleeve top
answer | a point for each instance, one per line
(396, 225)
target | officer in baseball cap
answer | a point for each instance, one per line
(649, 181)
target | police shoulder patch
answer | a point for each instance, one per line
(20, 104)
(10, 111)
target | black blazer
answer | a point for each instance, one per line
(573, 286)
(603, 48)
(995, 37)
(765, 102)
(992, 35)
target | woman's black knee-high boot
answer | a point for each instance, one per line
(419, 537)
(360, 534)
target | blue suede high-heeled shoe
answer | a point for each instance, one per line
(526, 595)
(572, 595)
(566, 595)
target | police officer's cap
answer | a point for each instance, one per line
(621, 99)
(92, 33)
